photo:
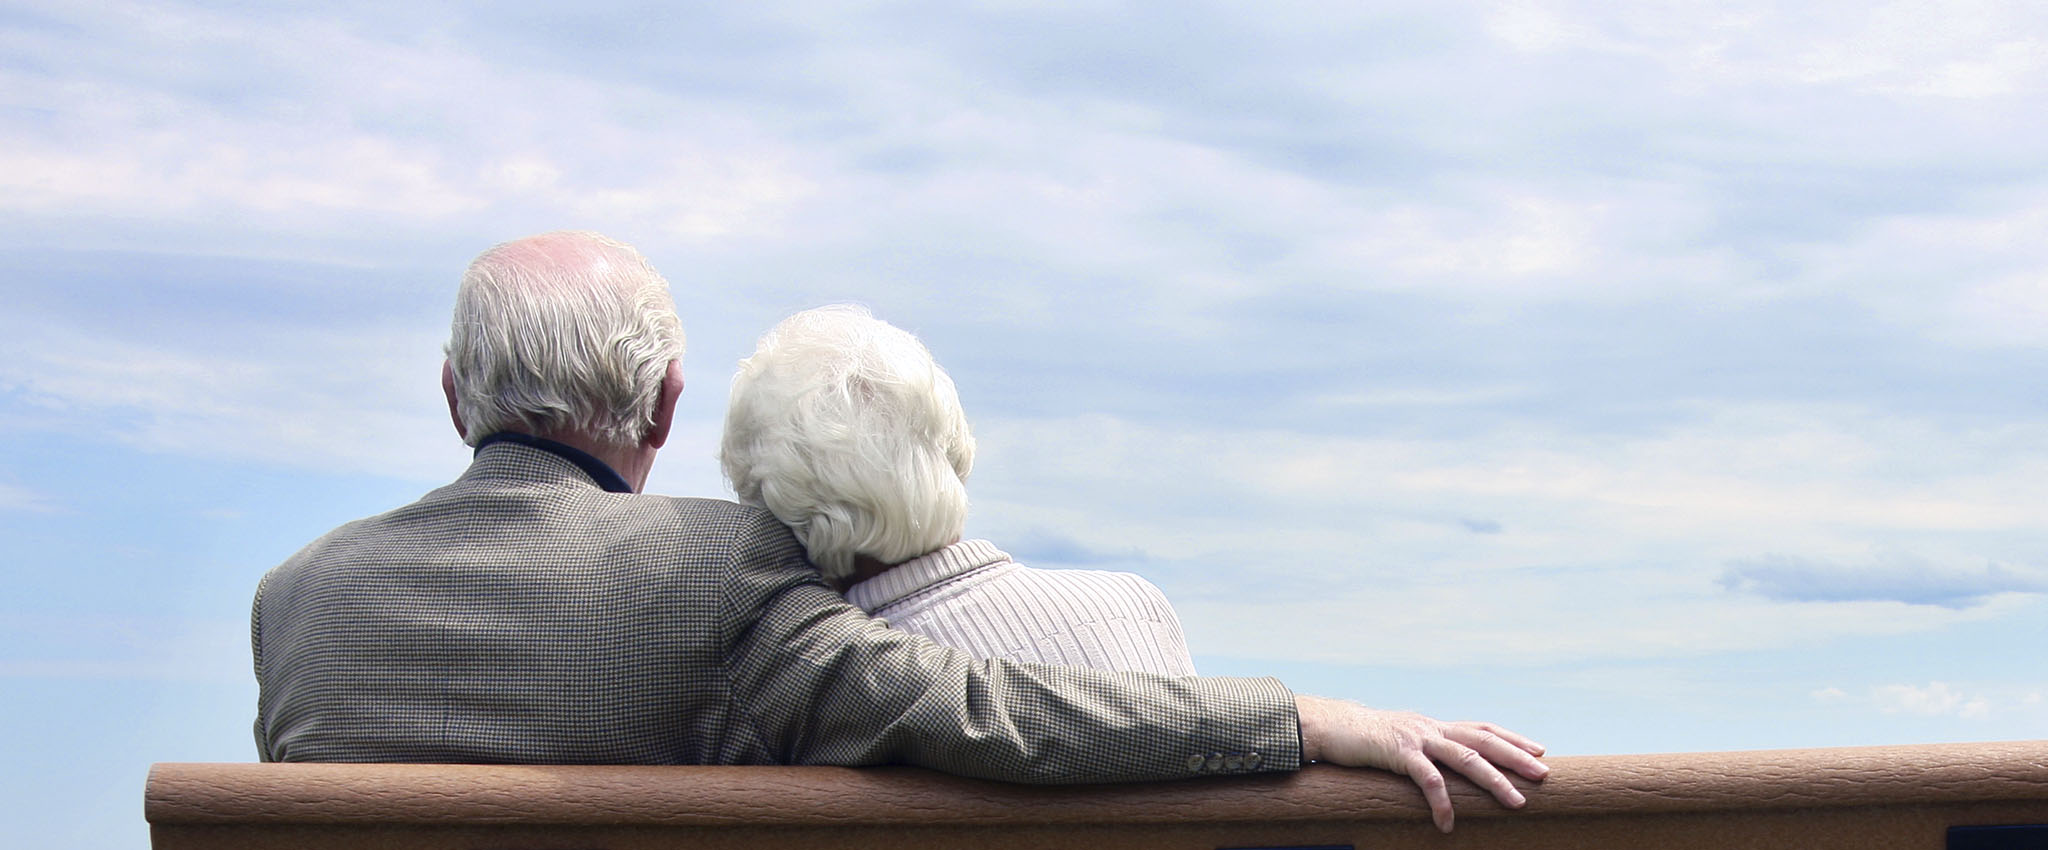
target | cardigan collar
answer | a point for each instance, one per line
(924, 571)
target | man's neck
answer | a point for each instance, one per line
(631, 463)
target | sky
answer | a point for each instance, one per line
(1645, 377)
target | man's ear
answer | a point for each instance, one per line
(665, 405)
(454, 412)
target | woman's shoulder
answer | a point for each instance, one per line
(1099, 585)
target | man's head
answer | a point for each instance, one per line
(559, 334)
(843, 426)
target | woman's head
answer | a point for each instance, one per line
(844, 427)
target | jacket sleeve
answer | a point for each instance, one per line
(822, 683)
(256, 657)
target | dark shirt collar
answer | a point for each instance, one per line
(598, 470)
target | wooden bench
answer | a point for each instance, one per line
(1861, 798)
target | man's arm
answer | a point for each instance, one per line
(844, 689)
(256, 656)
(824, 684)
(821, 683)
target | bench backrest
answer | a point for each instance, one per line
(1877, 797)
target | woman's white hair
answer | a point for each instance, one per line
(844, 427)
(565, 331)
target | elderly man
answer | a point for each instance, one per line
(540, 609)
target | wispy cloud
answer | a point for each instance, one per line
(908, 136)
(1976, 49)
(356, 402)
(1909, 580)
(1940, 699)
(1630, 538)
(14, 497)
(1050, 548)
(94, 646)
(338, 126)
(1936, 699)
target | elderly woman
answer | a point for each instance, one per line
(844, 427)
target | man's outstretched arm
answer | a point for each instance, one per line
(1410, 744)
(825, 684)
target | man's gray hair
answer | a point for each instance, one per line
(566, 331)
(844, 427)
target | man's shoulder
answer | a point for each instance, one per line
(551, 517)
(714, 519)
(698, 507)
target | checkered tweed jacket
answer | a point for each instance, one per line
(522, 614)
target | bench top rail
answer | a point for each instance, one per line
(710, 797)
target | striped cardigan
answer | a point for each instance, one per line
(972, 596)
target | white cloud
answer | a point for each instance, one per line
(104, 647)
(353, 400)
(2007, 311)
(1962, 50)
(1909, 580)
(1935, 700)
(1423, 397)
(17, 498)
(340, 130)
(1520, 238)
(1982, 48)
(182, 173)
(435, 139)
(1532, 27)
(1365, 549)
(1524, 620)
(2011, 704)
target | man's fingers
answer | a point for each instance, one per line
(1419, 768)
(1522, 742)
(1498, 748)
(1412, 744)
(1474, 766)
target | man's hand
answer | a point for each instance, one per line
(1350, 734)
